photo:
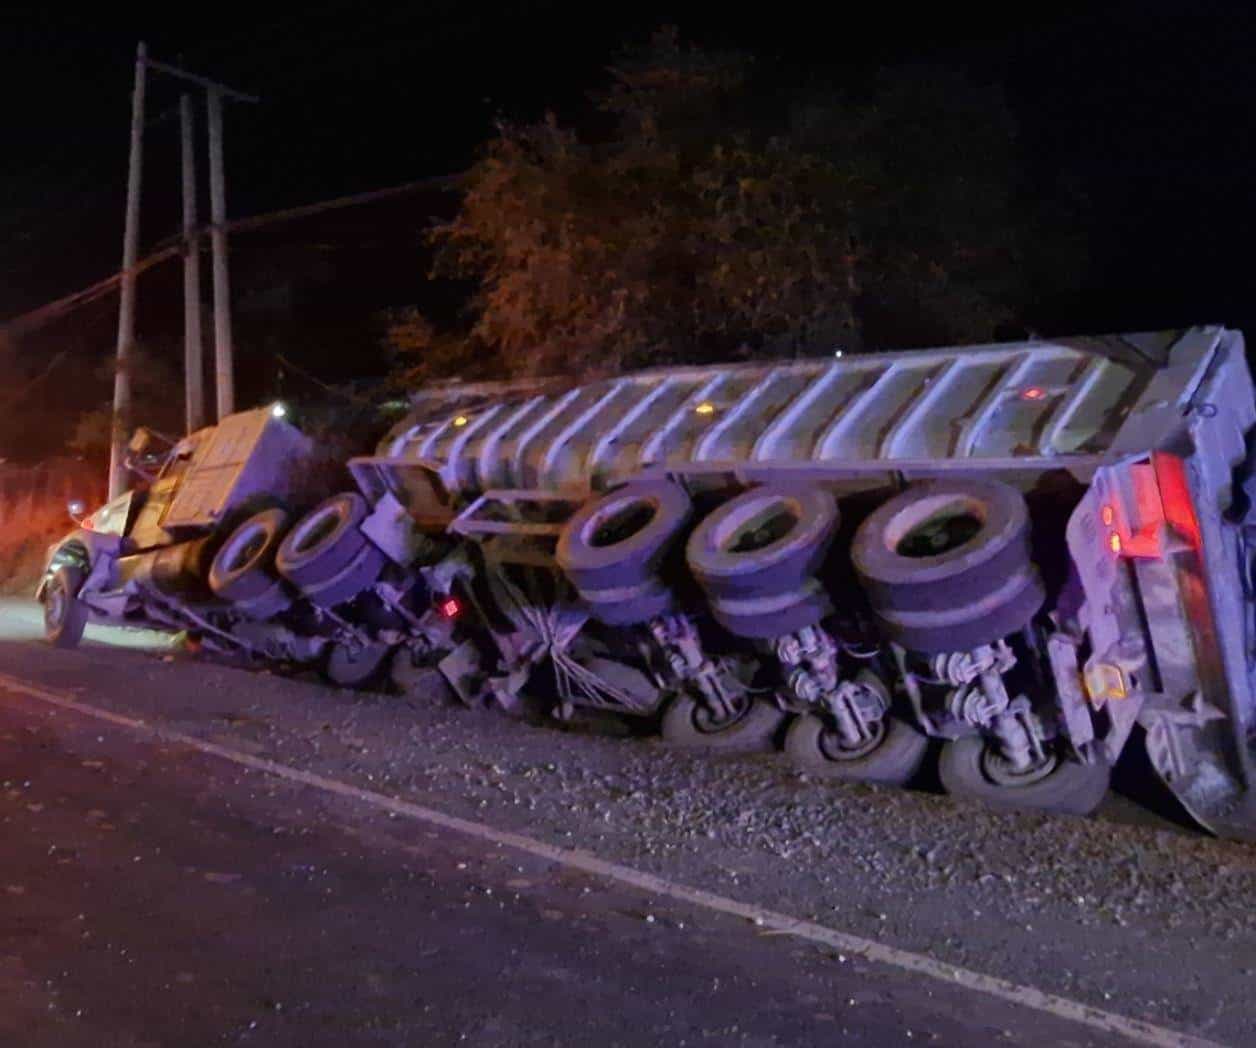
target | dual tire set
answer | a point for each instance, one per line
(944, 566)
(614, 551)
(324, 556)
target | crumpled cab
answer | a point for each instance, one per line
(147, 556)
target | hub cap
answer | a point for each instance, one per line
(54, 603)
(999, 770)
(832, 746)
(709, 723)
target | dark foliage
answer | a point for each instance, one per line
(727, 213)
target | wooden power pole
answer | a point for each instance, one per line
(121, 424)
(224, 350)
(193, 345)
(215, 93)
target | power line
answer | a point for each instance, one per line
(21, 393)
(36, 318)
(173, 247)
(244, 225)
(318, 381)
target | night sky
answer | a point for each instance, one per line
(1144, 109)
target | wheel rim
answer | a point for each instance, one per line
(754, 523)
(353, 665)
(247, 549)
(55, 603)
(618, 523)
(317, 531)
(765, 528)
(831, 746)
(940, 533)
(997, 770)
(708, 723)
(252, 548)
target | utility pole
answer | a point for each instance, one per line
(224, 352)
(121, 423)
(193, 345)
(215, 93)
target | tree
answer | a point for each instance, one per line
(156, 401)
(726, 212)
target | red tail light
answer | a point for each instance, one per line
(1162, 511)
(450, 607)
(1146, 535)
(1175, 497)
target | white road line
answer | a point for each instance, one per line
(1026, 996)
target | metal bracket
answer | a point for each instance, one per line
(516, 512)
(1070, 698)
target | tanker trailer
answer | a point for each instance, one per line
(1022, 552)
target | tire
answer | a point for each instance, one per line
(754, 731)
(619, 539)
(418, 681)
(323, 542)
(631, 605)
(767, 540)
(979, 586)
(358, 575)
(894, 762)
(359, 667)
(65, 616)
(1071, 788)
(763, 618)
(242, 569)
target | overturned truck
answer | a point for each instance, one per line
(1020, 557)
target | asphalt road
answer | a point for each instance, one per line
(159, 890)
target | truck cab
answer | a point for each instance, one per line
(147, 552)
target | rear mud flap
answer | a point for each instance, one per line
(1190, 750)
(464, 670)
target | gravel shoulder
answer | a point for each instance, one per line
(1147, 920)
